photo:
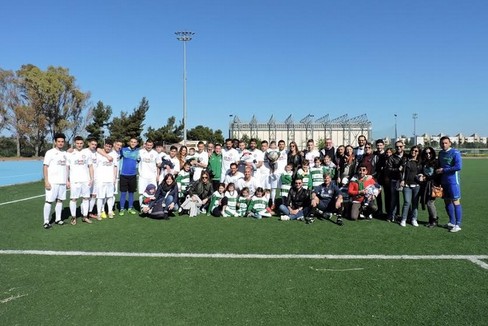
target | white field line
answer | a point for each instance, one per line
(476, 259)
(19, 200)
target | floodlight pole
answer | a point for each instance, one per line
(184, 37)
(396, 132)
(415, 116)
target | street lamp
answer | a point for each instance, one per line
(415, 116)
(231, 131)
(184, 37)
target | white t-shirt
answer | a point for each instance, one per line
(106, 171)
(310, 156)
(56, 162)
(79, 163)
(202, 158)
(233, 178)
(252, 184)
(229, 156)
(282, 161)
(148, 168)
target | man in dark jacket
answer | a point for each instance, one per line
(297, 204)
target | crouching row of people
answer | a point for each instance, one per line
(300, 204)
(355, 199)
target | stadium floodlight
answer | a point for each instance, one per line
(185, 36)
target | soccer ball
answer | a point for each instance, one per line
(272, 156)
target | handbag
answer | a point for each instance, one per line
(437, 191)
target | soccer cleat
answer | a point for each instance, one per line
(86, 220)
(340, 222)
(132, 211)
(403, 223)
(122, 212)
(73, 221)
(111, 215)
(60, 222)
(414, 223)
(103, 215)
(455, 228)
(47, 226)
(284, 218)
(98, 218)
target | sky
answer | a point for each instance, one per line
(267, 58)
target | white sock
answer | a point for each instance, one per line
(92, 204)
(100, 204)
(110, 204)
(58, 209)
(84, 207)
(72, 207)
(47, 212)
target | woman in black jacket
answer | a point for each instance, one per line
(198, 195)
(410, 182)
(429, 178)
(165, 200)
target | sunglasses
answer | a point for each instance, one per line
(399, 146)
(204, 177)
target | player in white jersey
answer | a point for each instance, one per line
(55, 180)
(248, 181)
(311, 152)
(229, 156)
(148, 167)
(201, 161)
(92, 147)
(233, 175)
(80, 178)
(258, 159)
(105, 177)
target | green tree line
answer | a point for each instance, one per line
(35, 104)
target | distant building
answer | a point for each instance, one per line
(342, 130)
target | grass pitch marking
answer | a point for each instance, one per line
(19, 200)
(476, 259)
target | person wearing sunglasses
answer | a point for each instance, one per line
(410, 183)
(297, 204)
(394, 169)
(198, 196)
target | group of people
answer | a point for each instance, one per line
(239, 179)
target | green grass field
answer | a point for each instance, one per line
(101, 290)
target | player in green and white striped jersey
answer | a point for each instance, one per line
(230, 201)
(243, 202)
(317, 173)
(183, 180)
(286, 180)
(216, 202)
(257, 207)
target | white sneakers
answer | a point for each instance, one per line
(403, 223)
(414, 223)
(455, 228)
(284, 218)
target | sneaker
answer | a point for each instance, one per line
(284, 218)
(122, 212)
(432, 225)
(361, 215)
(98, 218)
(309, 220)
(111, 215)
(73, 221)
(403, 223)
(414, 223)
(455, 228)
(203, 211)
(340, 222)
(60, 222)
(86, 220)
(327, 216)
(132, 211)
(103, 215)
(47, 226)
(369, 217)
(449, 226)
(300, 218)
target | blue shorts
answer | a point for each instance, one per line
(451, 191)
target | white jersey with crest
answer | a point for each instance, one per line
(79, 165)
(56, 163)
(148, 168)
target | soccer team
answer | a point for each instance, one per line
(240, 180)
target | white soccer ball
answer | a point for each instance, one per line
(273, 156)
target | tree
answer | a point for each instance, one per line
(100, 115)
(205, 133)
(130, 126)
(54, 94)
(170, 133)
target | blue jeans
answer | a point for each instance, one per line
(283, 209)
(411, 196)
(170, 200)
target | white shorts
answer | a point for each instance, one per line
(144, 182)
(79, 189)
(57, 191)
(105, 190)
